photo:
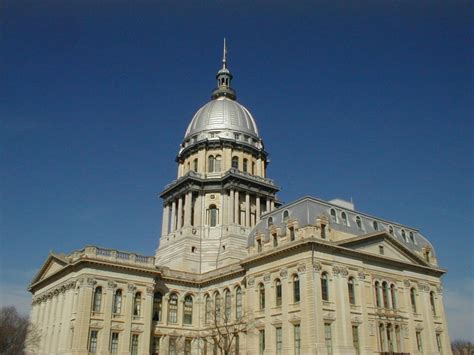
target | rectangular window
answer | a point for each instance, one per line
(297, 337)
(237, 344)
(328, 337)
(355, 339)
(279, 341)
(155, 346)
(438, 342)
(419, 344)
(93, 341)
(261, 341)
(381, 250)
(172, 346)
(114, 341)
(134, 345)
(187, 347)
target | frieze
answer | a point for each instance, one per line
(54, 292)
(339, 270)
(284, 273)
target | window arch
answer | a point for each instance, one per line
(385, 294)
(325, 286)
(296, 289)
(378, 302)
(227, 304)
(375, 225)
(213, 215)
(157, 306)
(97, 301)
(210, 163)
(137, 304)
(188, 310)
(344, 218)
(413, 299)
(393, 296)
(245, 165)
(238, 302)
(333, 215)
(432, 303)
(117, 302)
(286, 215)
(217, 163)
(208, 309)
(351, 290)
(261, 296)
(235, 162)
(173, 308)
(278, 293)
(359, 222)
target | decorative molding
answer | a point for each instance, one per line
(356, 319)
(301, 267)
(150, 290)
(284, 273)
(339, 270)
(424, 287)
(267, 277)
(131, 288)
(330, 316)
(317, 266)
(361, 275)
(250, 281)
(111, 284)
(56, 291)
(406, 283)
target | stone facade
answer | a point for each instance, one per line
(309, 277)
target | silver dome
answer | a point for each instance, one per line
(222, 114)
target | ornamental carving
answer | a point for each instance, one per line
(356, 320)
(150, 290)
(283, 273)
(266, 277)
(340, 270)
(111, 284)
(424, 287)
(91, 282)
(131, 287)
(406, 283)
(329, 316)
(317, 266)
(439, 289)
(251, 281)
(361, 275)
(301, 268)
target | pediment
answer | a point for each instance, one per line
(392, 248)
(51, 266)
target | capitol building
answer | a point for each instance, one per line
(238, 272)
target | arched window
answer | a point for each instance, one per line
(217, 305)
(96, 303)
(137, 304)
(359, 222)
(270, 222)
(413, 299)
(286, 215)
(213, 215)
(333, 215)
(195, 165)
(292, 233)
(385, 294)
(393, 295)
(275, 239)
(378, 302)
(261, 296)
(227, 304)
(324, 286)
(217, 163)
(173, 308)
(344, 218)
(238, 303)
(412, 238)
(278, 292)
(157, 306)
(390, 230)
(235, 162)
(432, 303)
(210, 163)
(208, 309)
(245, 165)
(296, 289)
(351, 290)
(117, 303)
(253, 167)
(404, 235)
(188, 310)
(375, 225)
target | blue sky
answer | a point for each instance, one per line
(367, 101)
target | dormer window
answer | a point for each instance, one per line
(390, 229)
(286, 215)
(375, 225)
(404, 235)
(333, 215)
(237, 136)
(259, 245)
(412, 237)
(270, 222)
(359, 222)
(344, 218)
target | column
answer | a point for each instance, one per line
(66, 319)
(180, 213)
(231, 206)
(197, 210)
(187, 209)
(342, 327)
(173, 216)
(268, 205)
(257, 210)
(236, 207)
(247, 209)
(272, 205)
(81, 329)
(220, 215)
(165, 220)
(147, 315)
(258, 167)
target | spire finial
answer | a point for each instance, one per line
(224, 57)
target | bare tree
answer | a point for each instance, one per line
(16, 332)
(462, 347)
(222, 331)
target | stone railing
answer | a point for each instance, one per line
(93, 252)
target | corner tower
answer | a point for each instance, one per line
(221, 189)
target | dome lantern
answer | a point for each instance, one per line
(224, 78)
